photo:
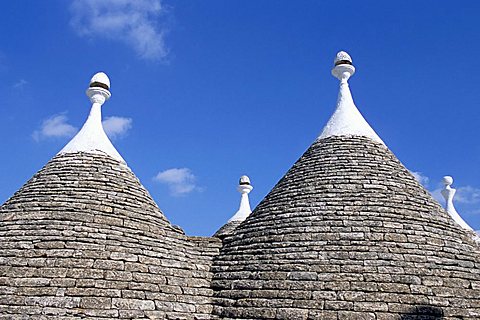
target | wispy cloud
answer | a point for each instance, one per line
(424, 181)
(437, 195)
(466, 197)
(56, 126)
(133, 22)
(420, 177)
(116, 127)
(180, 181)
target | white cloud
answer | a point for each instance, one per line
(134, 22)
(54, 127)
(116, 127)
(437, 195)
(57, 126)
(180, 181)
(466, 199)
(422, 179)
(468, 195)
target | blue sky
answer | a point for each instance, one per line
(205, 91)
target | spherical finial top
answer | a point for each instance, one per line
(343, 68)
(342, 58)
(99, 89)
(447, 180)
(100, 80)
(244, 180)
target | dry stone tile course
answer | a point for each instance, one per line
(348, 233)
(84, 239)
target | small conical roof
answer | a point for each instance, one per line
(347, 233)
(244, 188)
(88, 170)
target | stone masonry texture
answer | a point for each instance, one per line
(347, 233)
(84, 239)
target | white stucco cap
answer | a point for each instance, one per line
(244, 180)
(244, 187)
(100, 78)
(92, 138)
(347, 119)
(448, 193)
(342, 56)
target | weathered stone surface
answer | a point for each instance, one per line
(96, 303)
(84, 239)
(347, 233)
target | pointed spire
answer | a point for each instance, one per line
(346, 120)
(448, 193)
(92, 138)
(244, 210)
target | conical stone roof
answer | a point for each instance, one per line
(84, 239)
(348, 233)
(85, 184)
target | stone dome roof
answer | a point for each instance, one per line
(348, 233)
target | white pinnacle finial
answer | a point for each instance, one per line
(244, 211)
(346, 120)
(92, 138)
(343, 68)
(448, 193)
